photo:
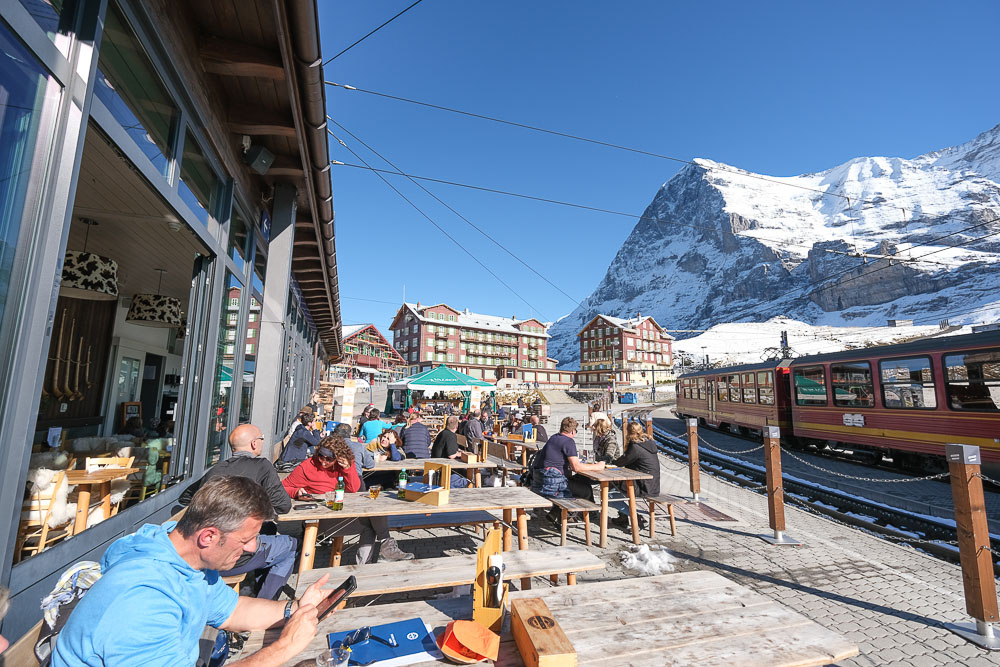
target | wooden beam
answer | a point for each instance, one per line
(228, 58)
(266, 124)
(285, 165)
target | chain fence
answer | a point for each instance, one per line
(726, 451)
(859, 478)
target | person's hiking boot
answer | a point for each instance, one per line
(622, 521)
(390, 551)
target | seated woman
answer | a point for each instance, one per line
(606, 447)
(320, 474)
(513, 424)
(385, 446)
(641, 455)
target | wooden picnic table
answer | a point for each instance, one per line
(359, 505)
(510, 444)
(614, 474)
(695, 618)
(418, 464)
(101, 477)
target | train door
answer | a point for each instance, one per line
(710, 386)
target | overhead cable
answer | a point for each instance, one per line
(372, 32)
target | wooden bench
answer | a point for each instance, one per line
(572, 505)
(662, 499)
(427, 573)
(21, 653)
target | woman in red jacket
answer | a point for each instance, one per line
(320, 474)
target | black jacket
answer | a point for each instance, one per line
(642, 456)
(445, 444)
(303, 439)
(252, 467)
(416, 441)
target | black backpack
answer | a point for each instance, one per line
(528, 473)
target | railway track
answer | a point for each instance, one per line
(933, 535)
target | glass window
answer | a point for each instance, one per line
(810, 385)
(973, 380)
(239, 240)
(907, 383)
(223, 383)
(734, 388)
(852, 385)
(722, 388)
(765, 387)
(749, 391)
(702, 394)
(199, 185)
(249, 364)
(24, 89)
(133, 92)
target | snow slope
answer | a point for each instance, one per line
(719, 244)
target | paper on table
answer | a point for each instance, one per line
(414, 646)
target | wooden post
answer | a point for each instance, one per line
(973, 546)
(693, 471)
(649, 425)
(775, 492)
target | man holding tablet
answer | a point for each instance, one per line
(160, 587)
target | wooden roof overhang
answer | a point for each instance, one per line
(262, 65)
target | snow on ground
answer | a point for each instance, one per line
(745, 342)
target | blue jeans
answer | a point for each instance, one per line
(277, 554)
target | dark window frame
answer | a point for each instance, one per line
(871, 383)
(802, 370)
(948, 382)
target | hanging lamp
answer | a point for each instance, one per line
(89, 276)
(155, 310)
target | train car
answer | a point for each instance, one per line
(743, 399)
(908, 400)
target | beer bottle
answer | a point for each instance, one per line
(338, 499)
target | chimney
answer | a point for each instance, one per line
(418, 304)
(639, 315)
(514, 317)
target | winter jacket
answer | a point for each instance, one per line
(642, 456)
(416, 441)
(300, 444)
(606, 447)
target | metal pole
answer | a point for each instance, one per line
(973, 547)
(775, 493)
(693, 470)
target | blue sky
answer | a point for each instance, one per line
(779, 87)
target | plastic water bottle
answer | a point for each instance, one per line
(401, 485)
(338, 499)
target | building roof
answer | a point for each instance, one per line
(629, 325)
(472, 320)
(349, 330)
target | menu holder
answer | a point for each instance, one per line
(436, 494)
(468, 457)
(528, 433)
(515, 436)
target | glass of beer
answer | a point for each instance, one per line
(329, 498)
(374, 490)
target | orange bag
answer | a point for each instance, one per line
(467, 642)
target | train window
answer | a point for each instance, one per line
(852, 385)
(907, 383)
(687, 388)
(810, 385)
(765, 387)
(973, 380)
(702, 394)
(734, 388)
(722, 388)
(749, 391)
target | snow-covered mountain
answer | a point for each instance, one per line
(720, 244)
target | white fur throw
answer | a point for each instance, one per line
(62, 511)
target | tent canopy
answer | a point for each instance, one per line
(440, 378)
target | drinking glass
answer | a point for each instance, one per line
(329, 498)
(374, 490)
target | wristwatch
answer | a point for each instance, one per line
(288, 609)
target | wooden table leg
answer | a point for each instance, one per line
(586, 527)
(604, 515)
(630, 487)
(478, 478)
(507, 518)
(82, 508)
(522, 541)
(571, 579)
(673, 524)
(554, 578)
(524, 456)
(106, 499)
(336, 550)
(308, 546)
(652, 519)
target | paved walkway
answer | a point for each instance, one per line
(888, 599)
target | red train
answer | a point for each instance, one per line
(906, 400)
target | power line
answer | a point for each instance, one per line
(599, 142)
(439, 227)
(372, 32)
(466, 220)
(358, 298)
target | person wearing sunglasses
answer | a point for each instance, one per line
(320, 474)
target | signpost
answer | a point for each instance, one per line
(775, 493)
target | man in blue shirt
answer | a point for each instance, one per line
(554, 463)
(374, 426)
(160, 587)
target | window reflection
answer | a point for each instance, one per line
(239, 240)
(199, 186)
(250, 359)
(224, 366)
(132, 91)
(55, 17)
